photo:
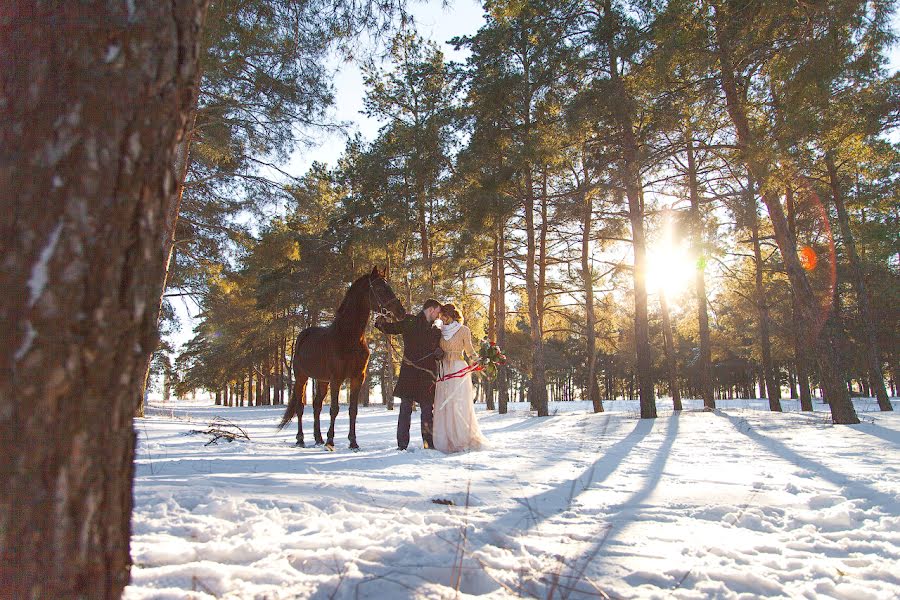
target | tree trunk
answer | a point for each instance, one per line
(387, 378)
(492, 317)
(587, 277)
(87, 183)
(705, 358)
(800, 358)
(537, 392)
(542, 262)
(181, 162)
(772, 390)
(250, 396)
(502, 371)
(365, 391)
(669, 343)
(859, 284)
(425, 246)
(260, 376)
(629, 172)
(815, 333)
(167, 385)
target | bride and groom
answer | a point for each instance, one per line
(447, 412)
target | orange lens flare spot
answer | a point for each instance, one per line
(808, 258)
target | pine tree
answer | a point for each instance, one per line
(92, 118)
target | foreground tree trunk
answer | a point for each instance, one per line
(91, 120)
(859, 285)
(815, 333)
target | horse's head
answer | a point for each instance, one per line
(382, 296)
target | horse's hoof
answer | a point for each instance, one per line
(320, 442)
(330, 446)
(354, 448)
(300, 444)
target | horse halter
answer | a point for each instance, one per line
(383, 310)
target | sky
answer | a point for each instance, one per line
(433, 21)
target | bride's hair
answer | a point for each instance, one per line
(450, 311)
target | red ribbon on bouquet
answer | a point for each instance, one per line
(460, 373)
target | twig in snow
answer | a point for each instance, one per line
(196, 582)
(461, 547)
(221, 428)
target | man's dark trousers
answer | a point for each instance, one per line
(426, 418)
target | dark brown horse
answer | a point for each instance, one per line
(331, 355)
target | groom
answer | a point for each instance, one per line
(421, 351)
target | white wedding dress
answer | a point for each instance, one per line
(455, 426)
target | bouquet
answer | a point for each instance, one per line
(490, 358)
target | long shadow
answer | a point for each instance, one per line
(526, 423)
(529, 513)
(573, 581)
(889, 435)
(839, 479)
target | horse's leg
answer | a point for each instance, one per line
(356, 384)
(321, 388)
(335, 392)
(300, 396)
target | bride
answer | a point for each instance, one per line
(455, 425)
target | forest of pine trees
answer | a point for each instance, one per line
(636, 200)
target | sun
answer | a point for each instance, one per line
(670, 267)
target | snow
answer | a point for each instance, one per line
(37, 281)
(736, 503)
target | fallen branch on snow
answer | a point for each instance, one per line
(220, 429)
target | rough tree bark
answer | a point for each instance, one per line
(859, 285)
(842, 410)
(91, 119)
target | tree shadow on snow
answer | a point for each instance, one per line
(851, 487)
(889, 435)
(572, 580)
(400, 572)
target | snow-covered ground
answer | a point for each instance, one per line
(739, 503)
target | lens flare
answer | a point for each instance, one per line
(808, 258)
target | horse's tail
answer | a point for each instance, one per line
(293, 401)
(290, 411)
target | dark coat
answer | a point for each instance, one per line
(419, 369)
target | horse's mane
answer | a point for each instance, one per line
(349, 301)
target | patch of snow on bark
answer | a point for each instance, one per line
(38, 280)
(30, 334)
